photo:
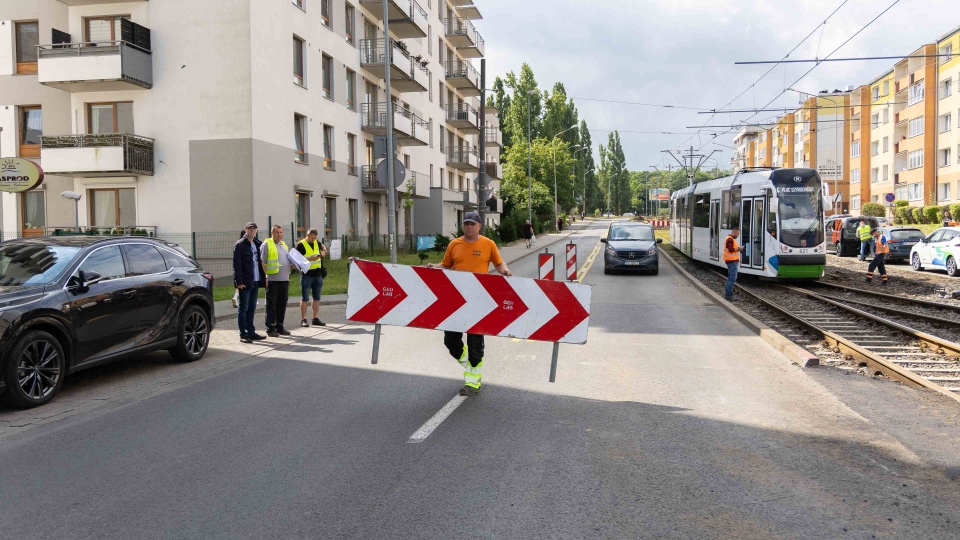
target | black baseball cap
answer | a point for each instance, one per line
(251, 225)
(471, 216)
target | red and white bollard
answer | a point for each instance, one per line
(571, 262)
(546, 266)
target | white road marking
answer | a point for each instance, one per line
(437, 419)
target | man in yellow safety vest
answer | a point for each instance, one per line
(866, 239)
(276, 266)
(311, 282)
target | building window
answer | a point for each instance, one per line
(855, 149)
(948, 51)
(31, 129)
(916, 93)
(886, 87)
(943, 192)
(915, 192)
(915, 127)
(945, 123)
(373, 218)
(875, 93)
(110, 118)
(886, 144)
(875, 120)
(327, 77)
(102, 29)
(351, 154)
(855, 202)
(329, 217)
(886, 116)
(328, 147)
(352, 210)
(33, 214)
(303, 214)
(298, 61)
(113, 207)
(27, 39)
(900, 193)
(945, 157)
(946, 88)
(300, 138)
(351, 90)
(326, 13)
(874, 175)
(886, 173)
(916, 159)
(302, 4)
(875, 148)
(350, 21)
(855, 176)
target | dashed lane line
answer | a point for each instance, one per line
(434, 422)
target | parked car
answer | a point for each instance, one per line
(70, 303)
(631, 246)
(842, 235)
(883, 222)
(901, 240)
(939, 250)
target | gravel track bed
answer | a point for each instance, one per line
(798, 334)
(903, 279)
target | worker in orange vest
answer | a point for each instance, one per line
(881, 249)
(731, 256)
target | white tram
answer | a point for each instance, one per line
(779, 212)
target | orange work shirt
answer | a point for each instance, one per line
(472, 257)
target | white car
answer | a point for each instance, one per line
(940, 250)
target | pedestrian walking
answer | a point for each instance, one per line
(311, 282)
(881, 247)
(559, 223)
(276, 266)
(947, 218)
(866, 239)
(471, 252)
(247, 278)
(528, 233)
(731, 256)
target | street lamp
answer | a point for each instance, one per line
(554, 144)
(529, 166)
(75, 197)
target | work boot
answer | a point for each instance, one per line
(245, 339)
(272, 333)
(469, 391)
(318, 322)
(256, 337)
(283, 331)
(869, 280)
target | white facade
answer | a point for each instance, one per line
(219, 111)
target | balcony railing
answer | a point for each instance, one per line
(110, 154)
(373, 58)
(492, 169)
(95, 66)
(463, 158)
(493, 136)
(464, 77)
(407, 18)
(368, 180)
(464, 36)
(373, 119)
(463, 117)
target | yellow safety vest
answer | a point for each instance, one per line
(311, 251)
(272, 263)
(865, 233)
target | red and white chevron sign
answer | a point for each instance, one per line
(572, 262)
(546, 265)
(488, 304)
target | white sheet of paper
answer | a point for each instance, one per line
(297, 259)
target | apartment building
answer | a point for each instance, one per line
(948, 114)
(262, 110)
(744, 154)
(872, 145)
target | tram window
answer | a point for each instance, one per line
(701, 211)
(772, 221)
(730, 210)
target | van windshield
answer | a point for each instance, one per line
(631, 232)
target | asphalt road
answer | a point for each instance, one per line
(673, 421)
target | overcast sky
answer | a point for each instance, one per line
(682, 53)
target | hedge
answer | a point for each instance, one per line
(873, 209)
(931, 214)
(917, 214)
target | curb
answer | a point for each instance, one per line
(233, 312)
(791, 350)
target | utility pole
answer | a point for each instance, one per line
(391, 188)
(689, 168)
(482, 178)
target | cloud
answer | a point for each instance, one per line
(682, 52)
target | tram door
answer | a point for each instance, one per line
(751, 231)
(715, 229)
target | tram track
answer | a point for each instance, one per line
(898, 350)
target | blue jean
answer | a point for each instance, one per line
(865, 246)
(246, 309)
(732, 269)
(310, 286)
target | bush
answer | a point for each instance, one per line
(442, 243)
(900, 204)
(931, 214)
(917, 214)
(904, 216)
(873, 209)
(954, 209)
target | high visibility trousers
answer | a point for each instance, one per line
(469, 356)
(877, 264)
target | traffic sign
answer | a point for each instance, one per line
(487, 304)
(572, 262)
(399, 173)
(546, 266)
(890, 198)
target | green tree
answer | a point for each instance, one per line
(585, 170)
(560, 114)
(501, 100)
(618, 176)
(603, 175)
(514, 184)
(515, 124)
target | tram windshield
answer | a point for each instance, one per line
(801, 211)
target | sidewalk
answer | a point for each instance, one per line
(510, 253)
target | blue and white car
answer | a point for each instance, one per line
(940, 250)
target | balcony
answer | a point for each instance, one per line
(419, 134)
(469, 11)
(373, 120)
(421, 184)
(462, 35)
(463, 158)
(463, 117)
(464, 77)
(95, 67)
(495, 205)
(114, 154)
(493, 170)
(407, 74)
(407, 18)
(493, 136)
(368, 181)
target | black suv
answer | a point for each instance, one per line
(69, 303)
(842, 233)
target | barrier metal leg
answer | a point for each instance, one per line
(553, 363)
(376, 344)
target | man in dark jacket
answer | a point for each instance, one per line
(248, 278)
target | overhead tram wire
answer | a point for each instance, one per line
(660, 105)
(855, 59)
(802, 41)
(848, 40)
(792, 109)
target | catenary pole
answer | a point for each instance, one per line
(391, 188)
